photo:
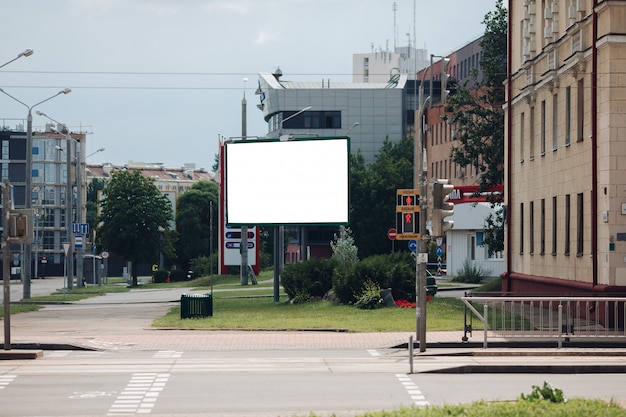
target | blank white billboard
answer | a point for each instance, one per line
(301, 181)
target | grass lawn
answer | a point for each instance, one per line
(252, 308)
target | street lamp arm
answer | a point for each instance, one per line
(27, 52)
(16, 99)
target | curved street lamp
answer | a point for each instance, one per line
(27, 52)
(29, 176)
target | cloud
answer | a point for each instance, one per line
(264, 37)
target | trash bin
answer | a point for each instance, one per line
(196, 305)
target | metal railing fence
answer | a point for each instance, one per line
(560, 318)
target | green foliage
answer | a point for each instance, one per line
(395, 271)
(494, 229)
(133, 217)
(545, 393)
(178, 275)
(160, 276)
(373, 194)
(92, 201)
(201, 266)
(193, 221)
(471, 273)
(344, 249)
(306, 279)
(369, 298)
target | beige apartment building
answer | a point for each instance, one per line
(565, 184)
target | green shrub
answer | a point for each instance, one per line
(547, 393)
(370, 297)
(178, 275)
(201, 266)
(160, 276)
(471, 273)
(306, 279)
(395, 271)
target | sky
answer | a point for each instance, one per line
(160, 81)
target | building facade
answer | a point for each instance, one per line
(380, 65)
(566, 153)
(49, 191)
(380, 110)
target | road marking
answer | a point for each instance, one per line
(373, 352)
(168, 354)
(6, 380)
(140, 394)
(413, 391)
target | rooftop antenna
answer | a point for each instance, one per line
(395, 35)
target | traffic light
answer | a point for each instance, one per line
(444, 79)
(441, 208)
(407, 214)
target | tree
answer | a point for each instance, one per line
(344, 249)
(373, 194)
(193, 221)
(134, 215)
(479, 117)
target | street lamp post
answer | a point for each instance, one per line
(28, 197)
(27, 52)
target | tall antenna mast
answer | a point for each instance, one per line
(395, 31)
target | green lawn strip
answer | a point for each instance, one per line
(573, 407)
(20, 308)
(265, 314)
(77, 294)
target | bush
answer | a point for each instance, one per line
(160, 276)
(370, 297)
(306, 279)
(395, 271)
(178, 275)
(471, 273)
(201, 266)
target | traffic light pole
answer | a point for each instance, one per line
(419, 181)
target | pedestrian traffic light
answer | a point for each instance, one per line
(444, 79)
(442, 208)
(407, 214)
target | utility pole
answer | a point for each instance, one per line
(243, 248)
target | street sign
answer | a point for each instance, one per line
(78, 241)
(413, 245)
(104, 255)
(391, 234)
(66, 247)
(80, 228)
(439, 251)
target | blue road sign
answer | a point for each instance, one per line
(439, 251)
(412, 245)
(80, 228)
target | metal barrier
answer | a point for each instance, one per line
(196, 305)
(560, 318)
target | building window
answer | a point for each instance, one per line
(580, 225)
(531, 143)
(542, 225)
(543, 128)
(554, 211)
(568, 115)
(568, 216)
(312, 120)
(555, 122)
(580, 110)
(521, 228)
(5, 171)
(5, 150)
(532, 227)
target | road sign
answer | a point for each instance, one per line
(104, 254)
(78, 241)
(439, 251)
(407, 214)
(80, 228)
(413, 245)
(391, 234)
(66, 247)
